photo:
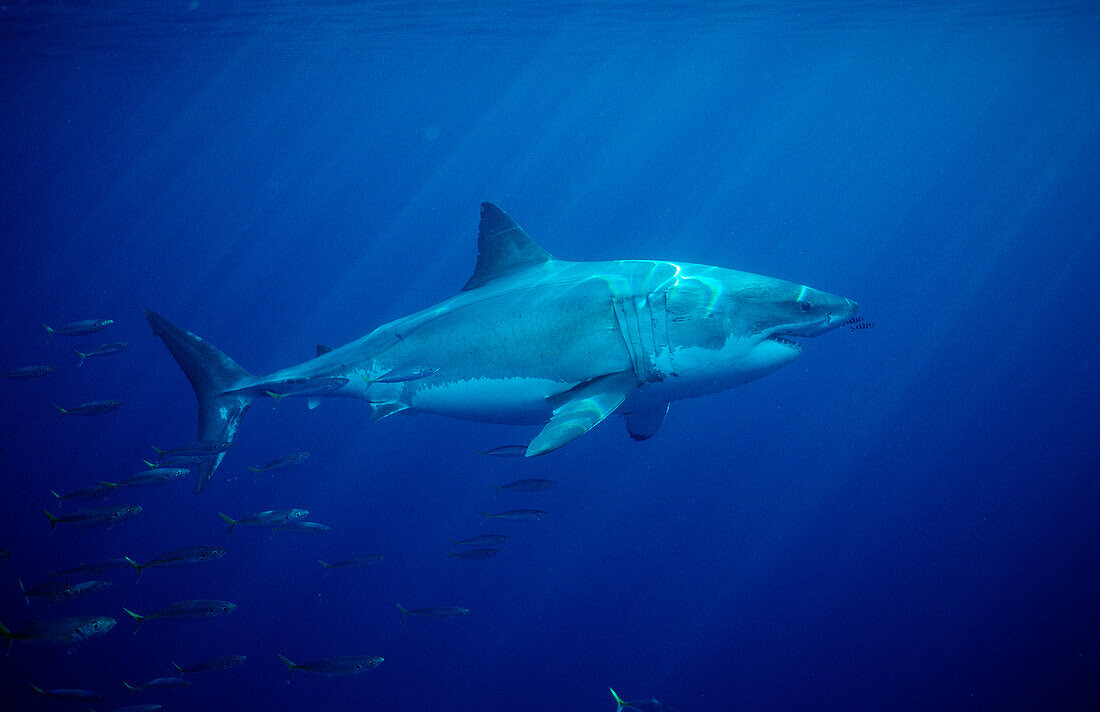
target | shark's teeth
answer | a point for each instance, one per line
(785, 341)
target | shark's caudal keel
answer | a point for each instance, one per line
(532, 339)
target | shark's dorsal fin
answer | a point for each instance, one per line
(502, 247)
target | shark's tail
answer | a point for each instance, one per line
(619, 704)
(212, 374)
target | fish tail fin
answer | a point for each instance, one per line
(213, 375)
(290, 666)
(138, 618)
(326, 564)
(48, 329)
(53, 574)
(256, 469)
(136, 565)
(38, 690)
(129, 687)
(61, 410)
(151, 465)
(159, 451)
(56, 495)
(25, 596)
(177, 667)
(404, 611)
(618, 701)
(82, 356)
(112, 485)
(52, 518)
(230, 522)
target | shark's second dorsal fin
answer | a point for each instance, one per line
(502, 247)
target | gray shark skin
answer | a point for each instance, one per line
(531, 339)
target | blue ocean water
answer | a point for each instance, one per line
(905, 517)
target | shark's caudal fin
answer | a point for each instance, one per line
(619, 704)
(211, 373)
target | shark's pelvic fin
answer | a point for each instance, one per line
(583, 408)
(212, 375)
(502, 247)
(643, 422)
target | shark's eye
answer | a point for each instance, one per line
(805, 306)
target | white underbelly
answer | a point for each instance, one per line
(493, 400)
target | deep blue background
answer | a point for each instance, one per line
(904, 518)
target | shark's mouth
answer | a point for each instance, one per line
(785, 342)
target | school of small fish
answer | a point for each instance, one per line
(170, 465)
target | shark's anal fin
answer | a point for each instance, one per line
(583, 408)
(502, 247)
(644, 422)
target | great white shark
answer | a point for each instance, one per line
(532, 339)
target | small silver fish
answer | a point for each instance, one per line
(95, 516)
(182, 610)
(180, 557)
(159, 683)
(342, 665)
(271, 519)
(474, 554)
(517, 515)
(531, 485)
(402, 375)
(66, 694)
(62, 631)
(104, 350)
(80, 328)
(281, 463)
(152, 476)
(212, 665)
(434, 611)
(28, 372)
(56, 591)
(90, 408)
(100, 491)
(506, 451)
(303, 527)
(483, 539)
(355, 562)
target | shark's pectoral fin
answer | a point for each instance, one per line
(385, 410)
(643, 423)
(582, 408)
